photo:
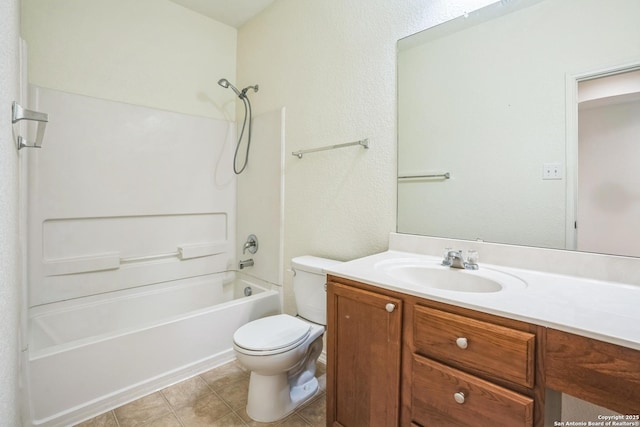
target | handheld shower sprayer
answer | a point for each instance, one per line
(225, 84)
(247, 112)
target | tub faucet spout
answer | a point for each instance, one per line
(246, 263)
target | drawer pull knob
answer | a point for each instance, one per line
(462, 342)
(390, 307)
(459, 397)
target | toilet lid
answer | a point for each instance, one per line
(271, 333)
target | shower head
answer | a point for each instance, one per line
(247, 113)
(225, 84)
(244, 91)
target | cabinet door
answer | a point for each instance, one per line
(363, 357)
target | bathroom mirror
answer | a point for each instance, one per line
(488, 117)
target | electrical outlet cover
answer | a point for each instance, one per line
(552, 171)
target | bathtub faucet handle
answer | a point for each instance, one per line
(251, 244)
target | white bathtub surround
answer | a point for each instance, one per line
(260, 206)
(95, 353)
(123, 195)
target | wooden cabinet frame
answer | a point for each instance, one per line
(598, 372)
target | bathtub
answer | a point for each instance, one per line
(92, 354)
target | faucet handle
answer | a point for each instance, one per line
(446, 259)
(251, 244)
(472, 259)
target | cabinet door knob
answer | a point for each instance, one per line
(390, 307)
(462, 342)
(459, 397)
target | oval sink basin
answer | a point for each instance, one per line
(434, 275)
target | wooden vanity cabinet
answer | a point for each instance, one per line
(393, 360)
(364, 375)
(398, 360)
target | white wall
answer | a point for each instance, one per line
(143, 52)
(9, 248)
(332, 65)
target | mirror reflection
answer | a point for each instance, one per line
(532, 109)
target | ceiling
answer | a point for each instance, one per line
(231, 12)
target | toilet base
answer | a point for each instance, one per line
(271, 398)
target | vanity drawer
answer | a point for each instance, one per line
(443, 396)
(499, 351)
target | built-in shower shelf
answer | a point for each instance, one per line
(100, 262)
(113, 260)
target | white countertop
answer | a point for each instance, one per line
(602, 310)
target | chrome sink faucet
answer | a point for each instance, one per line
(455, 259)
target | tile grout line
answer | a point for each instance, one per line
(115, 417)
(171, 408)
(233, 411)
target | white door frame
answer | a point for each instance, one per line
(571, 105)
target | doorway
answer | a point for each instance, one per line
(607, 178)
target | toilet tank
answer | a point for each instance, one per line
(309, 288)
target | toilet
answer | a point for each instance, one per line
(281, 351)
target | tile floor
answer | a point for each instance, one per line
(215, 398)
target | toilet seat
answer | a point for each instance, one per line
(271, 335)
